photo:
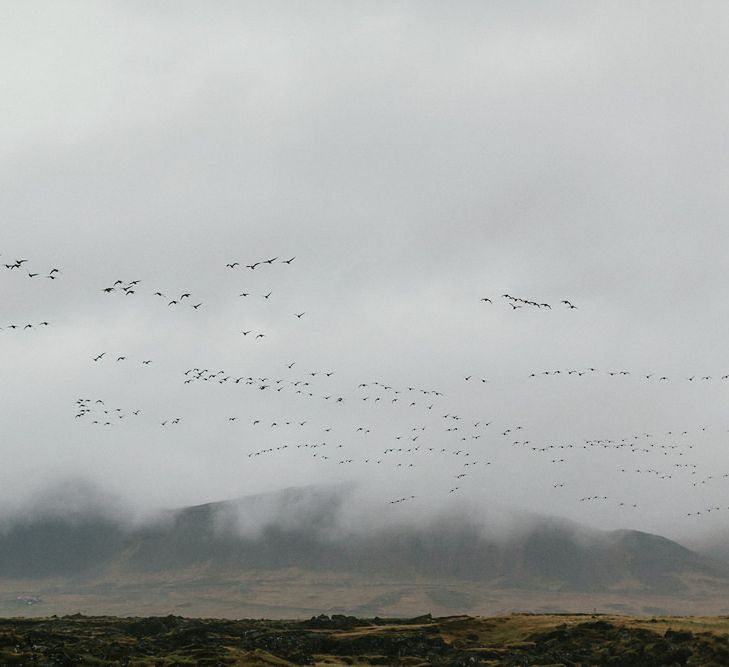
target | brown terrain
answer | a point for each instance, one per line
(520, 639)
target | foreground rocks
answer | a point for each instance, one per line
(517, 640)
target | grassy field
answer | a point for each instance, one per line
(297, 593)
(517, 639)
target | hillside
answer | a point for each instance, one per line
(456, 563)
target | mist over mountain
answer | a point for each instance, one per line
(312, 530)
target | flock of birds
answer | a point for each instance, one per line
(172, 299)
(128, 288)
(517, 302)
(19, 264)
(613, 373)
(24, 327)
(367, 427)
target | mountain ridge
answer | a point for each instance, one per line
(223, 533)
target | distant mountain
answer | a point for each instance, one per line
(301, 528)
(716, 547)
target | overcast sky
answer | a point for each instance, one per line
(413, 157)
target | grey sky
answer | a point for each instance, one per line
(414, 157)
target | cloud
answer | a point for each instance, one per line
(413, 159)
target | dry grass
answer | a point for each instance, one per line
(295, 593)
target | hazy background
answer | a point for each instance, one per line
(413, 157)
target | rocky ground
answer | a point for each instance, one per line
(519, 639)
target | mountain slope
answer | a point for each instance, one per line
(300, 528)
